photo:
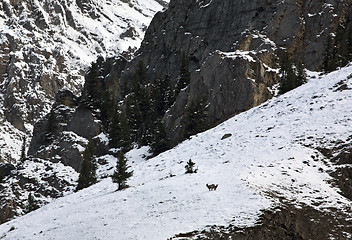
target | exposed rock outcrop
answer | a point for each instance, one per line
(48, 45)
(233, 50)
(62, 135)
(41, 178)
(285, 222)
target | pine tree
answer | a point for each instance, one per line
(52, 126)
(195, 120)
(286, 72)
(147, 115)
(106, 109)
(160, 141)
(162, 95)
(32, 203)
(1, 176)
(141, 73)
(158, 95)
(185, 75)
(349, 42)
(119, 131)
(92, 86)
(134, 118)
(341, 46)
(124, 90)
(139, 109)
(338, 51)
(327, 55)
(23, 150)
(121, 174)
(114, 128)
(301, 76)
(292, 76)
(170, 96)
(87, 175)
(190, 167)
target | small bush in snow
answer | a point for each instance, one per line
(190, 167)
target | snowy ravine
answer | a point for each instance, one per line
(48, 45)
(271, 153)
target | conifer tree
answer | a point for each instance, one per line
(141, 73)
(185, 75)
(158, 95)
(124, 88)
(301, 76)
(121, 174)
(139, 109)
(23, 149)
(87, 175)
(107, 108)
(160, 141)
(338, 51)
(134, 117)
(349, 42)
(32, 203)
(1, 176)
(327, 56)
(341, 46)
(190, 167)
(195, 118)
(119, 131)
(147, 115)
(92, 86)
(52, 126)
(114, 128)
(170, 95)
(292, 76)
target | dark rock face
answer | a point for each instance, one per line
(285, 222)
(233, 49)
(84, 123)
(74, 125)
(341, 156)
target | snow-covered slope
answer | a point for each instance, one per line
(272, 152)
(47, 45)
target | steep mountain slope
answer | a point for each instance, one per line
(48, 45)
(233, 49)
(272, 156)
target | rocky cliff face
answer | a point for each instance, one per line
(48, 45)
(233, 49)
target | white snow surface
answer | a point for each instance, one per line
(272, 152)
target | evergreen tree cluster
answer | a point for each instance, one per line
(94, 85)
(338, 50)
(292, 75)
(138, 120)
